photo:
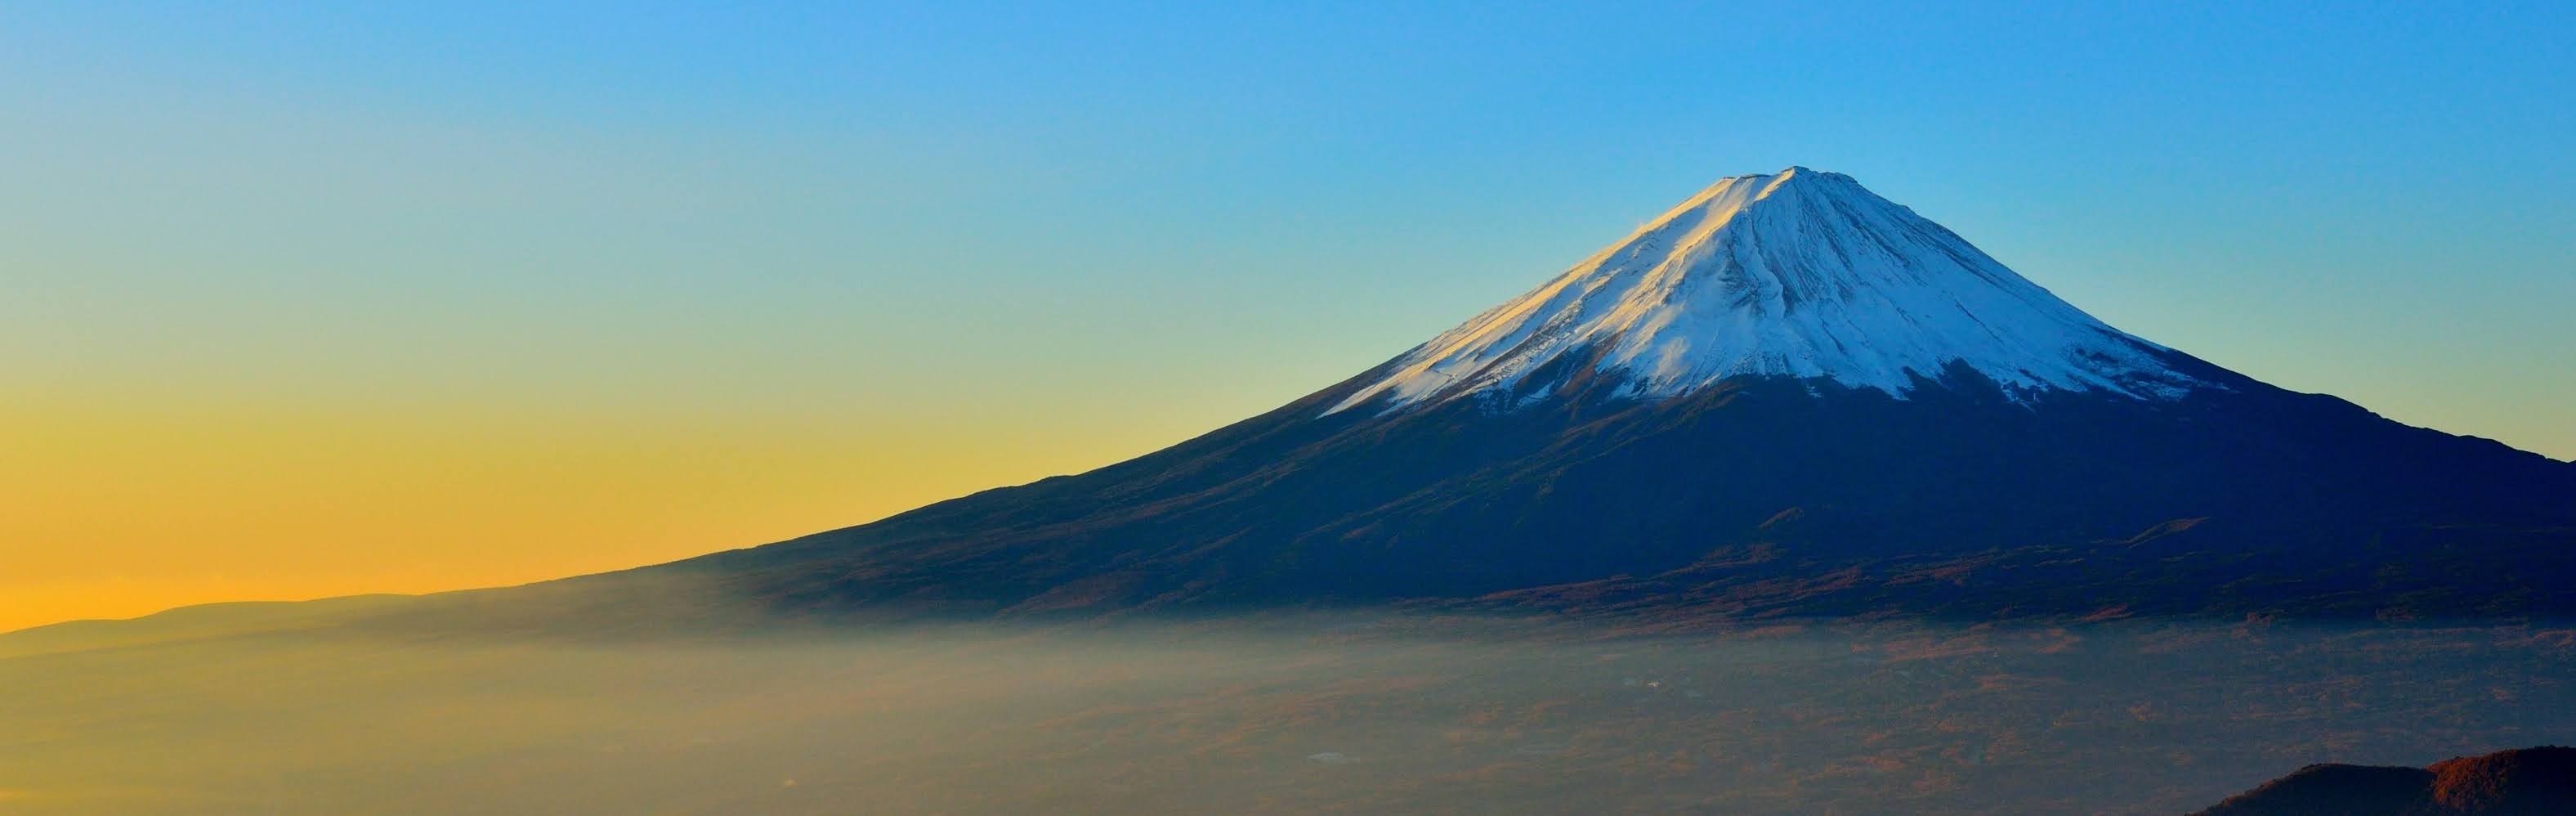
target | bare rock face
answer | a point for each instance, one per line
(2528, 781)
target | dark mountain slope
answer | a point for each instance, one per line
(2274, 500)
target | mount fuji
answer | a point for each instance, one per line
(1786, 396)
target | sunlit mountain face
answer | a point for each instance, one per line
(1786, 395)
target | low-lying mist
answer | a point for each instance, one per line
(1324, 713)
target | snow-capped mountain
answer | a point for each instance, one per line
(1800, 274)
(1786, 396)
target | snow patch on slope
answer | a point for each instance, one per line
(1800, 274)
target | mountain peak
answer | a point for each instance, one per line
(1802, 274)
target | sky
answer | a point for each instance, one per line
(305, 300)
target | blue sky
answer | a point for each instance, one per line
(1244, 201)
(1030, 239)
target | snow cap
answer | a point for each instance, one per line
(1800, 273)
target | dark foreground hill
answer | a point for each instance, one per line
(2526, 782)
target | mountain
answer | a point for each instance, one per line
(1786, 396)
(2533, 781)
(1801, 275)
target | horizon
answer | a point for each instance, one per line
(309, 305)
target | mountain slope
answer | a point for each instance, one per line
(1787, 396)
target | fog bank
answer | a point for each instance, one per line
(1352, 713)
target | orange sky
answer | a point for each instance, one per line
(126, 506)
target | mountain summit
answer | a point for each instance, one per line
(1786, 396)
(1799, 274)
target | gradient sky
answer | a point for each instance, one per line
(301, 300)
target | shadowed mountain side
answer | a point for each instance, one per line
(1759, 496)
(2526, 782)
